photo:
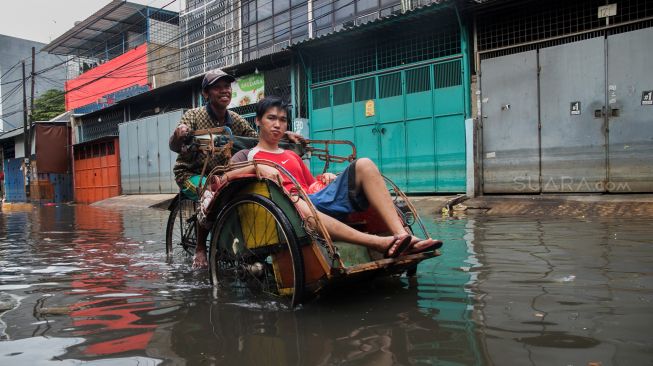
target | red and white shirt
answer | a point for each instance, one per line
(290, 161)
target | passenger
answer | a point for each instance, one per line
(216, 89)
(357, 187)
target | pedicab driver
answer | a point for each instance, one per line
(359, 186)
(216, 89)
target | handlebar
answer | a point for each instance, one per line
(325, 155)
(207, 139)
(212, 131)
(221, 137)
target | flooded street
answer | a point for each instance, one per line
(80, 284)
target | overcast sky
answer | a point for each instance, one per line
(45, 20)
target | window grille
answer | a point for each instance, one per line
(97, 126)
(164, 32)
(396, 46)
(321, 98)
(193, 4)
(390, 85)
(448, 74)
(418, 80)
(210, 40)
(342, 93)
(552, 22)
(277, 82)
(365, 89)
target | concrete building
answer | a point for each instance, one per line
(476, 96)
(52, 76)
(122, 50)
(391, 76)
(559, 92)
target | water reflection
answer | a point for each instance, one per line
(82, 284)
(94, 291)
(48, 350)
(425, 320)
(376, 325)
(576, 287)
(116, 292)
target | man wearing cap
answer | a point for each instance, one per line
(216, 89)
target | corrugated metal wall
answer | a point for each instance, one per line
(593, 133)
(96, 171)
(416, 133)
(14, 180)
(562, 97)
(52, 187)
(146, 160)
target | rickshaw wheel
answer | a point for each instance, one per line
(181, 230)
(254, 251)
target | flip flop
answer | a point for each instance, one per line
(401, 243)
(429, 248)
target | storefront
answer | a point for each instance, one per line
(398, 88)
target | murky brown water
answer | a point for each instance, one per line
(90, 285)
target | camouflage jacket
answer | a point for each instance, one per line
(191, 163)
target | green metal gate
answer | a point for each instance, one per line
(415, 133)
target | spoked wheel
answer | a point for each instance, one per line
(255, 251)
(181, 231)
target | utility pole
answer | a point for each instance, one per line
(26, 162)
(31, 99)
(31, 118)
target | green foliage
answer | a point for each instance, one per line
(49, 105)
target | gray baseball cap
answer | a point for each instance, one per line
(214, 75)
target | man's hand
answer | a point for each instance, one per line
(182, 131)
(178, 137)
(294, 137)
(328, 178)
(266, 171)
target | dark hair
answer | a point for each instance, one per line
(266, 103)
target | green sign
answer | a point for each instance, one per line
(250, 82)
(247, 90)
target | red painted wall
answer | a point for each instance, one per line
(126, 70)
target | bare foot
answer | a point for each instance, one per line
(199, 260)
(424, 245)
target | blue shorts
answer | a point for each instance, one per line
(341, 197)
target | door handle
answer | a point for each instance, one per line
(380, 130)
(599, 113)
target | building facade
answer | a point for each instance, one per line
(565, 96)
(52, 75)
(49, 177)
(380, 73)
(397, 88)
(123, 50)
(476, 96)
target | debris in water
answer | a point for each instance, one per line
(54, 310)
(569, 278)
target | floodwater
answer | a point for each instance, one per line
(85, 285)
